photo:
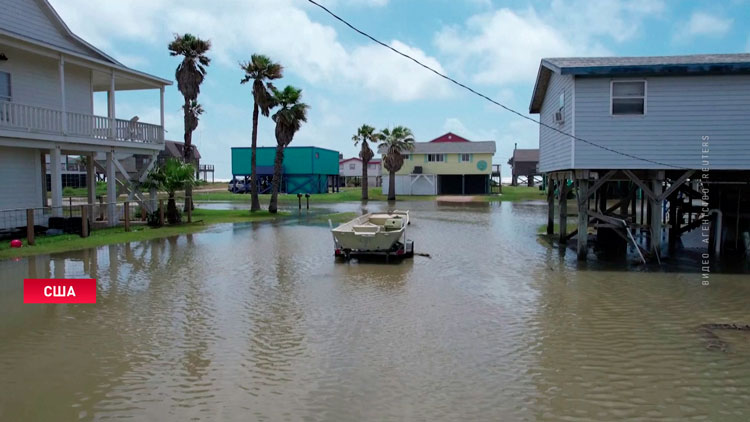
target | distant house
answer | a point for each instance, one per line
(304, 169)
(350, 172)
(647, 127)
(524, 165)
(447, 165)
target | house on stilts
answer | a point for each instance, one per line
(653, 147)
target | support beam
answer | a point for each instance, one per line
(602, 180)
(563, 204)
(111, 105)
(583, 219)
(43, 157)
(111, 190)
(55, 180)
(161, 111)
(90, 179)
(656, 216)
(551, 207)
(63, 106)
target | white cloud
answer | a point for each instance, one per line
(281, 29)
(704, 24)
(506, 45)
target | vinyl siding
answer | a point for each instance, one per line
(450, 166)
(555, 149)
(679, 111)
(20, 173)
(29, 18)
(35, 80)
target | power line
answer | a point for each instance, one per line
(475, 92)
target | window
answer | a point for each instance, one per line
(4, 86)
(352, 166)
(435, 158)
(464, 158)
(406, 156)
(628, 98)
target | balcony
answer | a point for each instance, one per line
(33, 119)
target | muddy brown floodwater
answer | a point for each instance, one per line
(258, 322)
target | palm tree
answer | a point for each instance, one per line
(364, 134)
(259, 69)
(171, 177)
(394, 142)
(288, 120)
(189, 75)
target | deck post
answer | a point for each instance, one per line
(44, 179)
(674, 224)
(55, 180)
(126, 215)
(90, 179)
(583, 219)
(563, 204)
(656, 216)
(84, 221)
(30, 227)
(551, 207)
(111, 190)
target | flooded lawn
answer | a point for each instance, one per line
(258, 322)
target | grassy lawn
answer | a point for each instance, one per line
(517, 193)
(68, 242)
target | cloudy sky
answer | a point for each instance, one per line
(493, 45)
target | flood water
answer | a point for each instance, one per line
(258, 322)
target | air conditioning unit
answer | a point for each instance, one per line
(417, 169)
(559, 117)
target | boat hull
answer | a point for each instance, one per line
(347, 238)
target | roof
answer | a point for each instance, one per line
(450, 137)
(71, 44)
(373, 161)
(450, 147)
(696, 64)
(524, 155)
(175, 149)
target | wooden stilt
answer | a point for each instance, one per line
(551, 207)
(656, 217)
(563, 204)
(583, 219)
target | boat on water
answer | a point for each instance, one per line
(374, 233)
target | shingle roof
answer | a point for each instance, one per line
(450, 147)
(695, 64)
(526, 155)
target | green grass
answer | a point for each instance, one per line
(542, 229)
(69, 242)
(517, 193)
(101, 190)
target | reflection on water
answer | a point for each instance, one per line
(257, 321)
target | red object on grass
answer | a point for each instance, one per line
(15, 243)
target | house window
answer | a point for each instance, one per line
(352, 166)
(406, 156)
(434, 158)
(4, 86)
(628, 98)
(464, 158)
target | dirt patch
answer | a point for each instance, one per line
(457, 198)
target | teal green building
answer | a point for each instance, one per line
(304, 170)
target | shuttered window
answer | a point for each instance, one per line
(628, 98)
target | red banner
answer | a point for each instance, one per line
(59, 290)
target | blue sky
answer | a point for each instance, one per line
(494, 46)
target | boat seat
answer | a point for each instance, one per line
(366, 228)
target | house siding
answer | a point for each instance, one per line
(680, 110)
(556, 149)
(30, 19)
(21, 175)
(35, 80)
(451, 165)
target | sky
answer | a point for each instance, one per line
(347, 80)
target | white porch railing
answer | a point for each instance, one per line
(27, 118)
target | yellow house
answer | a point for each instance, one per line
(447, 165)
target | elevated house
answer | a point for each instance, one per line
(350, 172)
(447, 165)
(524, 166)
(304, 169)
(48, 77)
(619, 130)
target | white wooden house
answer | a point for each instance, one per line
(350, 171)
(48, 77)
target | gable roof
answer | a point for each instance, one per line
(373, 161)
(176, 149)
(695, 64)
(37, 23)
(450, 137)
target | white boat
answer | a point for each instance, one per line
(378, 232)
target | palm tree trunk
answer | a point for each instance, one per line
(187, 150)
(173, 215)
(392, 186)
(364, 181)
(272, 207)
(253, 172)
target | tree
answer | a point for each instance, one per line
(364, 134)
(395, 142)
(259, 69)
(190, 74)
(171, 177)
(289, 118)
